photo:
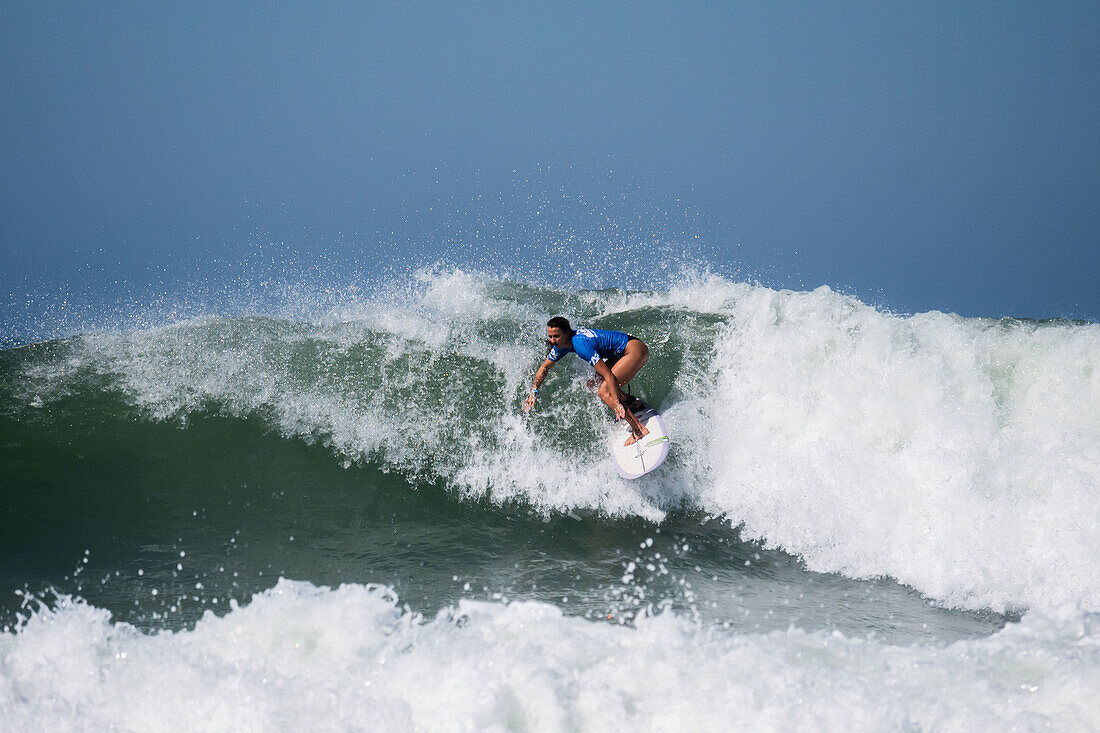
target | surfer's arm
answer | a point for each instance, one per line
(540, 375)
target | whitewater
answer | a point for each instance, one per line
(868, 520)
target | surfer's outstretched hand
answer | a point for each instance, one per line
(529, 403)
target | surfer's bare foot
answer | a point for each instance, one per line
(635, 437)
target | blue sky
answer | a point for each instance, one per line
(920, 156)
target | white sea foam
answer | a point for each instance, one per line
(961, 457)
(301, 657)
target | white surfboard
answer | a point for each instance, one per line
(644, 455)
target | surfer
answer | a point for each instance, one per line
(617, 358)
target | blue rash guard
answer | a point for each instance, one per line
(593, 344)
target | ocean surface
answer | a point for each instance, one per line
(339, 518)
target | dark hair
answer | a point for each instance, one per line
(560, 322)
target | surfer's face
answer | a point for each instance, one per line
(555, 336)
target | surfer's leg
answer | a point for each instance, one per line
(633, 358)
(637, 429)
(625, 368)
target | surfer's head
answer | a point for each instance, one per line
(561, 323)
(558, 332)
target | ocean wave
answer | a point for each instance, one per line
(956, 455)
